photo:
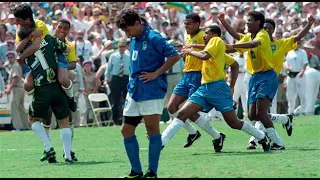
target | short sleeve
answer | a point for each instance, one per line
(214, 46)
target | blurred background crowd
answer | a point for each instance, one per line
(98, 40)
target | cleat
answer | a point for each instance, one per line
(191, 138)
(72, 104)
(149, 174)
(47, 155)
(74, 158)
(288, 125)
(52, 159)
(251, 145)
(133, 174)
(66, 160)
(277, 147)
(162, 147)
(265, 142)
(218, 143)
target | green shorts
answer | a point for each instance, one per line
(46, 96)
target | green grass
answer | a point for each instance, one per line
(101, 153)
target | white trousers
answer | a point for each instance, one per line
(312, 79)
(296, 87)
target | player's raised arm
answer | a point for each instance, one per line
(305, 30)
(230, 29)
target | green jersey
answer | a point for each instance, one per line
(43, 64)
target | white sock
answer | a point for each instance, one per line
(65, 135)
(171, 130)
(249, 129)
(274, 136)
(38, 129)
(260, 126)
(189, 127)
(279, 118)
(47, 128)
(68, 90)
(206, 126)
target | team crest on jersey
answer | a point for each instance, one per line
(194, 42)
(273, 47)
(144, 45)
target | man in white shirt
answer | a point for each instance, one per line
(12, 27)
(80, 23)
(295, 65)
(83, 47)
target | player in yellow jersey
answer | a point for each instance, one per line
(190, 82)
(279, 48)
(214, 91)
(191, 78)
(260, 63)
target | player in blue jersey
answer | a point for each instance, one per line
(146, 89)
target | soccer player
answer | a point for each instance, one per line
(190, 82)
(279, 48)
(146, 89)
(24, 17)
(214, 91)
(48, 92)
(62, 30)
(260, 63)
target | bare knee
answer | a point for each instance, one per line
(64, 123)
(127, 130)
(172, 108)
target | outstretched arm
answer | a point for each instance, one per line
(203, 55)
(305, 30)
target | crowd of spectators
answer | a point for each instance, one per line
(96, 37)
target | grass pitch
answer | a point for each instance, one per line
(101, 154)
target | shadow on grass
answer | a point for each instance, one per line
(303, 149)
(81, 163)
(236, 153)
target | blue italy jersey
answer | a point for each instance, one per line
(148, 53)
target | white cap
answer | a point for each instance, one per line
(270, 6)
(229, 8)
(292, 11)
(308, 45)
(11, 16)
(286, 34)
(57, 12)
(305, 3)
(213, 5)
(317, 29)
(107, 43)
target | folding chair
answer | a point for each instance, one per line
(100, 97)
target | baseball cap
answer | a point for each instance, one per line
(57, 12)
(308, 45)
(317, 29)
(10, 53)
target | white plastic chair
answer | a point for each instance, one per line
(100, 97)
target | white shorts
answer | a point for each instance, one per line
(142, 108)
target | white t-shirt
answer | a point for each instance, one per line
(296, 59)
(84, 49)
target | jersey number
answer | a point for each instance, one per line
(134, 55)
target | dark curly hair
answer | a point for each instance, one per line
(194, 17)
(127, 17)
(258, 16)
(23, 11)
(271, 21)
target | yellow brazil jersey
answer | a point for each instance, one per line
(279, 49)
(213, 69)
(71, 56)
(259, 58)
(229, 59)
(192, 63)
(40, 25)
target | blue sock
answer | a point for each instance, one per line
(155, 146)
(132, 149)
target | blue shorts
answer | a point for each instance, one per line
(62, 60)
(188, 84)
(262, 85)
(213, 95)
